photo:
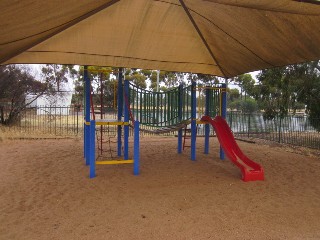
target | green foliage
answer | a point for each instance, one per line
(248, 105)
(167, 80)
(233, 94)
(203, 79)
(246, 83)
(56, 75)
(286, 89)
(138, 77)
(15, 83)
(307, 81)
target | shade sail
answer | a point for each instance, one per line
(219, 37)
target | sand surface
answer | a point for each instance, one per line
(45, 193)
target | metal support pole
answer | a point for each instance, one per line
(207, 126)
(158, 77)
(223, 112)
(87, 89)
(120, 107)
(193, 121)
(92, 151)
(136, 156)
(180, 103)
(126, 119)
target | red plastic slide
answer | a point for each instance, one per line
(251, 171)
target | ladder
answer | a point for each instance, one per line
(186, 135)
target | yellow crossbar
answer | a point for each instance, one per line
(109, 122)
(113, 162)
(113, 123)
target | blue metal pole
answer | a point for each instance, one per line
(136, 157)
(180, 103)
(92, 149)
(207, 126)
(87, 90)
(84, 141)
(120, 107)
(126, 119)
(193, 120)
(223, 112)
(84, 119)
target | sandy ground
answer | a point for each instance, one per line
(45, 193)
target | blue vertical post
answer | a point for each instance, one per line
(92, 151)
(223, 111)
(126, 119)
(84, 127)
(84, 140)
(84, 119)
(207, 126)
(87, 89)
(136, 156)
(193, 120)
(180, 103)
(120, 107)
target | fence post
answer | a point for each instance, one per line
(230, 119)
(77, 122)
(279, 137)
(249, 123)
(180, 103)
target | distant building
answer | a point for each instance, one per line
(45, 102)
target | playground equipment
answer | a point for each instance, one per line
(174, 110)
(122, 125)
(161, 112)
(250, 170)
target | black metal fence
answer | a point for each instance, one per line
(68, 121)
(292, 129)
(50, 120)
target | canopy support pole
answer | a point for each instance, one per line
(87, 89)
(223, 111)
(120, 107)
(193, 120)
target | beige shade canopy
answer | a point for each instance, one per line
(218, 37)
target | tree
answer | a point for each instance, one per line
(103, 86)
(57, 75)
(246, 83)
(137, 76)
(284, 89)
(307, 88)
(16, 82)
(167, 80)
(204, 79)
(233, 94)
(249, 105)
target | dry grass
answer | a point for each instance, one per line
(7, 133)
